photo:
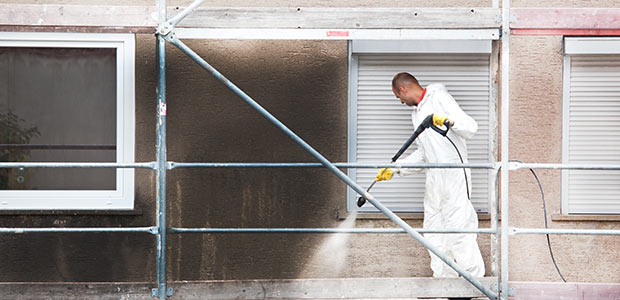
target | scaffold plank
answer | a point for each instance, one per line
(342, 17)
(336, 34)
(259, 17)
(112, 16)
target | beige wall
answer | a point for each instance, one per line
(301, 83)
(304, 84)
(536, 136)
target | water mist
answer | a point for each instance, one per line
(330, 258)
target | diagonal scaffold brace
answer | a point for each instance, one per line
(172, 38)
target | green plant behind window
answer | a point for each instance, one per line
(13, 131)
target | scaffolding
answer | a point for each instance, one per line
(168, 32)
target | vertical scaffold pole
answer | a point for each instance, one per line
(494, 203)
(505, 56)
(494, 196)
(161, 156)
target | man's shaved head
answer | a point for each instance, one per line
(404, 79)
(407, 89)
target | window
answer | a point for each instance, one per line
(591, 125)
(379, 124)
(66, 97)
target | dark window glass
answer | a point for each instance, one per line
(57, 105)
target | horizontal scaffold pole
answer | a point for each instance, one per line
(519, 166)
(146, 165)
(326, 230)
(151, 230)
(369, 197)
(514, 230)
(174, 165)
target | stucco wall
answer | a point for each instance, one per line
(536, 136)
(100, 256)
(301, 83)
(304, 84)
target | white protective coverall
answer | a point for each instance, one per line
(445, 200)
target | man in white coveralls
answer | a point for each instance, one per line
(446, 199)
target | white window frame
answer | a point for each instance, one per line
(122, 198)
(412, 47)
(578, 46)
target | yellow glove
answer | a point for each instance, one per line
(384, 174)
(439, 119)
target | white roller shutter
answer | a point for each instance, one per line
(591, 133)
(381, 123)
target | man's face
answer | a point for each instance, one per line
(405, 96)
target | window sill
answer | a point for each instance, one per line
(598, 218)
(131, 212)
(405, 216)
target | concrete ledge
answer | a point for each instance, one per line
(337, 288)
(343, 288)
(596, 218)
(75, 290)
(343, 214)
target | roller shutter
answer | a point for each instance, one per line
(381, 123)
(591, 133)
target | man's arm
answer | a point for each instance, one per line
(464, 125)
(415, 157)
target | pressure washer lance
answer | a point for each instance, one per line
(426, 123)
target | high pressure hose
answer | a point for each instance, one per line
(464, 172)
(542, 193)
(426, 123)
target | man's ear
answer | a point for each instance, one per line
(402, 90)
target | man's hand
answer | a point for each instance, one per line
(384, 174)
(439, 120)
